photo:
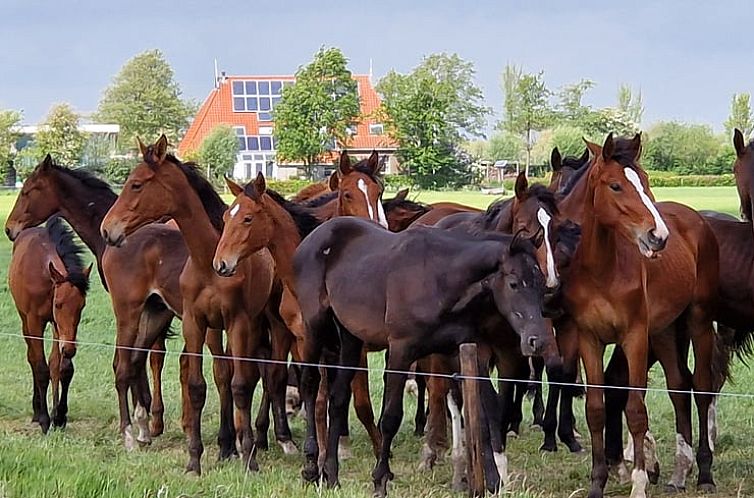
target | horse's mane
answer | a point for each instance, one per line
(319, 201)
(405, 204)
(69, 252)
(491, 215)
(211, 201)
(544, 196)
(310, 192)
(362, 167)
(575, 162)
(623, 154)
(304, 220)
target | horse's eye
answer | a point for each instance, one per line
(247, 219)
(58, 306)
(615, 187)
(513, 284)
(136, 186)
(347, 195)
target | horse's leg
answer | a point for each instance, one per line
(156, 364)
(616, 374)
(243, 338)
(33, 328)
(436, 438)
(282, 339)
(320, 414)
(420, 419)
(54, 367)
(352, 353)
(362, 402)
(521, 372)
(193, 387)
(550, 421)
(537, 408)
(222, 371)
(127, 325)
(703, 339)
(635, 346)
(679, 383)
(591, 350)
(392, 415)
(459, 481)
(311, 351)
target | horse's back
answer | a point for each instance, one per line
(28, 274)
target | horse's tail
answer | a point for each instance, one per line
(729, 344)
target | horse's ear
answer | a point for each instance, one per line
(584, 157)
(738, 142)
(142, 148)
(608, 148)
(345, 163)
(594, 149)
(88, 270)
(161, 148)
(556, 161)
(401, 195)
(522, 185)
(260, 185)
(47, 162)
(334, 181)
(57, 277)
(470, 294)
(234, 188)
(636, 146)
(373, 163)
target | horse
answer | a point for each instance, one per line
(48, 283)
(474, 283)
(616, 293)
(401, 212)
(142, 279)
(261, 219)
(563, 169)
(162, 186)
(311, 192)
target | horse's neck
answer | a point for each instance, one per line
(198, 232)
(326, 211)
(85, 208)
(571, 206)
(285, 239)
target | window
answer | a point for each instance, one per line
(258, 96)
(257, 144)
(376, 129)
(240, 130)
(256, 163)
(352, 130)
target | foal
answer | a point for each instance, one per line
(49, 283)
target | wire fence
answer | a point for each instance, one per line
(453, 376)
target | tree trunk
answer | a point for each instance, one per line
(528, 151)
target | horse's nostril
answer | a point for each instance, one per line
(533, 343)
(105, 235)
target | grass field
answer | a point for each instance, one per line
(88, 459)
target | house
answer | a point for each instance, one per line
(246, 104)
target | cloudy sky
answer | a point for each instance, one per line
(687, 57)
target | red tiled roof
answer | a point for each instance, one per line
(218, 109)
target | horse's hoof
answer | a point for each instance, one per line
(461, 486)
(513, 434)
(193, 470)
(288, 447)
(252, 465)
(654, 474)
(380, 486)
(144, 444)
(574, 446)
(706, 488)
(536, 427)
(310, 472)
(227, 453)
(156, 430)
(262, 444)
(549, 447)
(672, 489)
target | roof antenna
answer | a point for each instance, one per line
(217, 76)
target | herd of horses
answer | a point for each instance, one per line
(542, 281)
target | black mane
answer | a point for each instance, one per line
(544, 196)
(574, 162)
(319, 200)
(69, 252)
(490, 217)
(211, 201)
(362, 167)
(304, 220)
(395, 203)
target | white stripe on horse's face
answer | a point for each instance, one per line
(381, 214)
(234, 210)
(544, 219)
(661, 229)
(363, 187)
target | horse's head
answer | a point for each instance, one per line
(564, 169)
(248, 225)
(743, 168)
(145, 198)
(69, 299)
(621, 196)
(359, 188)
(518, 291)
(401, 212)
(37, 201)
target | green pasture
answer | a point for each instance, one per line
(88, 459)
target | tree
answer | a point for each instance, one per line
(218, 153)
(145, 101)
(568, 139)
(504, 145)
(740, 115)
(570, 109)
(683, 148)
(314, 114)
(629, 104)
(9, 120)
(527, 107)
(428, 112)
(59, 136)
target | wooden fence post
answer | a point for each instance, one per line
(471, 415)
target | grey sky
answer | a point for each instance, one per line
(687, 57)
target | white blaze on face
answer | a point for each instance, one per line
(661, 229)
(544, 220)
(234, 210)
(380, 212)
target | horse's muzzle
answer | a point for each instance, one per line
(223, 269)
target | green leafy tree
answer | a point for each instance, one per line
(428, 112)
(9, 121)
(683, 148)
(145, 101)
(504, 145)
(570, 109)
(568, 139)
(314, 114)
(59, 136)
(218, 153)
(630, 104)
(740, 115)
(526, 106)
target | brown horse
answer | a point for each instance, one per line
(563, 169)
(48, 283)
(142, 279)
(162, 186)
(401, 212)
(614, 293)
(311, 192)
